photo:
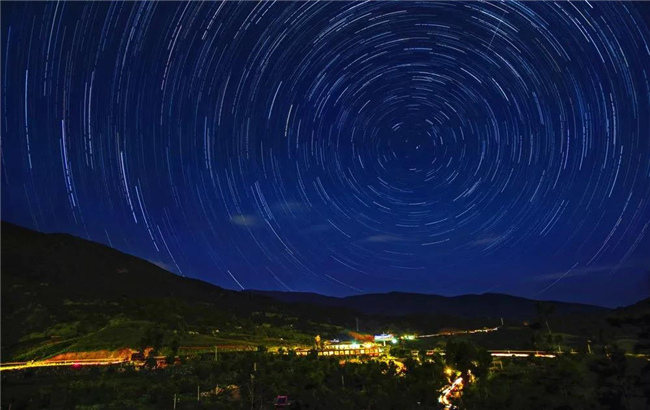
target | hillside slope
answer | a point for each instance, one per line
(61, 293)
(400, 304)
(81, 268)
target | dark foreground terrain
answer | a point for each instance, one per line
(253, 380)
(75, 300)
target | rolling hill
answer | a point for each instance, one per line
(402, 304)
(74, 267)
(62, 293)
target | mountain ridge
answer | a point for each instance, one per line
(56, 260)
(61, 292)
(52, 257)
(404, 303)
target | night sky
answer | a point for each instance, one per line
(340, 148)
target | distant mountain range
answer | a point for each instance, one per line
(401, 304)
(73, 267)
(60, 292)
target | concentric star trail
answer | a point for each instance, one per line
(445, 147)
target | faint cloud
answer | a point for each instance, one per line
(585, 270)
(244, 220)
(595, 269)
(487, 240)
(383, 238)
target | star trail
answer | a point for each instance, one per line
(339, 148)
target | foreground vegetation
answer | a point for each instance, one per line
(61, 294)
(602, 380)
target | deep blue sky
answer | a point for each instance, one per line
(340, 148)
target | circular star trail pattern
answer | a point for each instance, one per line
(338, 147)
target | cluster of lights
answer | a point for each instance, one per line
(366, 345)
(384, 337)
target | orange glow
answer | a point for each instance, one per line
(362, 337)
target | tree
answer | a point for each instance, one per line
(174, 345)
(150, 362)
(611, 384)
(638, 317)
(538, 384)
(544, 311)
(467, 357)
(153, 337)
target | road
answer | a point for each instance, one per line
(58, 363)
(110, 361)
(114, 361)
(448, 391)
(460, 332)
(522, 353)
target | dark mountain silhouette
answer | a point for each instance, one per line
(401, 304)
(62, 294)
(65, 266)
(60, 286)
(51, 280)
(639, 309)
(80, 268)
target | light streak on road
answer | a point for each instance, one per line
(447, 391)
(59, 363)
(460, 332)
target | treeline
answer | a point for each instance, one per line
(250, 381)
(233, 381)
(605, 379)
